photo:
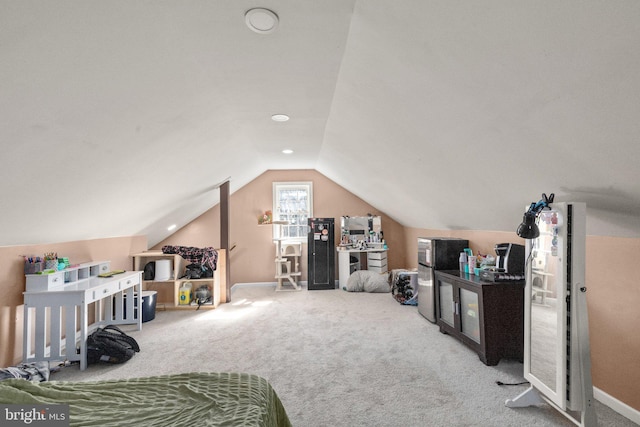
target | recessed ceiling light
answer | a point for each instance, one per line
(279, 117)
(262, 21)
(287, 151)
(171, 227)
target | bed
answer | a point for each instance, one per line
(189, 399)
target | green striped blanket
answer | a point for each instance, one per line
(190, 399)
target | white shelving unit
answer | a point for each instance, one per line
(168, 290)
(51, 281)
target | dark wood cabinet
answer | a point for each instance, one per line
(486, 316)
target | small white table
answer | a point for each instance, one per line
(376, 261)
(56, 321)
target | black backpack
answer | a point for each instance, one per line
(149, 271)
(197, 271)
(110, 345)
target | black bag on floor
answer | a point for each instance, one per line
(110, 345)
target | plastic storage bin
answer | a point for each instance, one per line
(149, 299)
(149, 305)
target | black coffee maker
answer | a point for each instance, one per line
(510, 258)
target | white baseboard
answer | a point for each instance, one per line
(254, 284)
(618, 406)
(302, 283)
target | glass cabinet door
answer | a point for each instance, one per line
(469, 314)
(447, 312)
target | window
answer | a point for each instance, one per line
(292, 202)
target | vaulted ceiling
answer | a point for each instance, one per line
(121, 117)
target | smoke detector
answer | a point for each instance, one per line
(260, 20)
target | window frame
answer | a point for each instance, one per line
(301, 232)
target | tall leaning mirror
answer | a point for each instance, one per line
(557, 361)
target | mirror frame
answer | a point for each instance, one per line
(575, 402)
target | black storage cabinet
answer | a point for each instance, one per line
(492, 325)
(321, 252)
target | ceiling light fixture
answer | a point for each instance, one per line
(171, 227)
(260, 20)
(279, 117)
(287, 151)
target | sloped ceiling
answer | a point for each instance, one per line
(121, 117)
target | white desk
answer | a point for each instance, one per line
(56, 320)
(376, 261)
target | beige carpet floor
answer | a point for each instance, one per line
(338, 359)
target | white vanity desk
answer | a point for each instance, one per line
(376, 261)
(56, 315)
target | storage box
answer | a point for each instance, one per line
(413, 279)
(33, 267)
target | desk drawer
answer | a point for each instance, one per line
(382, 269)
(44, 282)
(377, 255)
(103, 291)
(111, 286)
(377, 263)
(127, 282)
